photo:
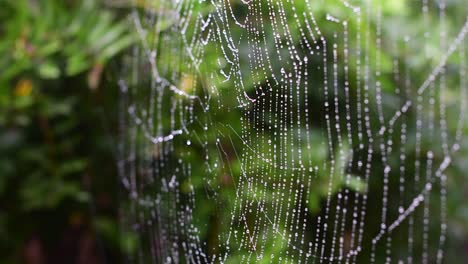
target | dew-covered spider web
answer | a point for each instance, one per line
(292, 131)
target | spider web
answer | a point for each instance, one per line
(291, 131)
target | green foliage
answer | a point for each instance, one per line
(56, 153)
(53, 59)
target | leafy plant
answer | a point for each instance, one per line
(53, 55)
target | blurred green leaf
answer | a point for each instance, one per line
(48, 70)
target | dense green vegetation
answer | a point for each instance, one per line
(58, 182)
(59, 66)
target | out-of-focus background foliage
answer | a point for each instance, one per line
(59, 66)
(58, 183)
